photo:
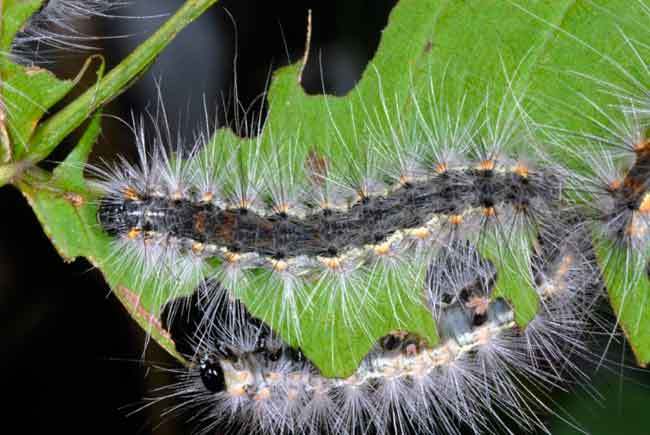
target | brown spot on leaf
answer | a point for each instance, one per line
(33, 70)
(74, 198)
(5, 143)
(132, 300)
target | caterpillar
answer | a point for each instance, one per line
(485, 375)
(53, 26)
(312, 230)
(615, 190)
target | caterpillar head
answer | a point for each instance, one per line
(212, 374)
(118, 217)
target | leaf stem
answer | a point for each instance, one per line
(51, 132)
(11, 171)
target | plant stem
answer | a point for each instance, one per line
(51, 132)
(8, 172)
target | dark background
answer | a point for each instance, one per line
(71, 357)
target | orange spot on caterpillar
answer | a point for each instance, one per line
(243, 203)
(332, 263)
(405, 180)
(446, 354)
(565, 265)
(644, 207)
(421, 233)
(456, 219)
(634, 184)
(134, 233)
(292, 394)
(282, 207)
(614, 185)
(489, 212)
(441, 168)
(483, 336)
(242, 377)
(486, 165)
(642, 147)
(383, 249)
(521, 169)
(231, 257)
(131, 194)
(207, 197)
(177, 195)
(237, 391)
(558, 282)
(280, 265)
(198, 248)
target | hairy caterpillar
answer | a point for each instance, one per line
(485, 375)
(306, 227)
(54, 26)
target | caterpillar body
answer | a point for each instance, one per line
(243, 378)
(314, 231)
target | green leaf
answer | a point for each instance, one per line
(15, 14)
(28, 92)
(68, 217)
(62, 201)
(51, 132)
(510, 252)
(70, 172)
(466, 49)
(628, 285)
